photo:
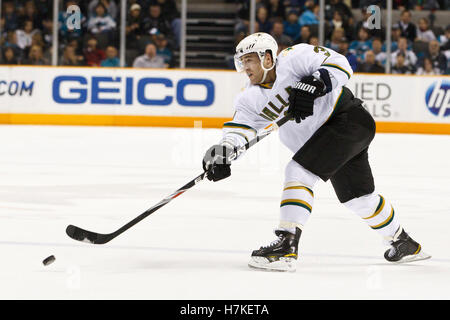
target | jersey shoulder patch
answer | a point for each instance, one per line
(286, 51)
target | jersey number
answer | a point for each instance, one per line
(318, 49)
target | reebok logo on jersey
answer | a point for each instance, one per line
(306, 87)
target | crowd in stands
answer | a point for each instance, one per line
(152, 32)
(422, 48)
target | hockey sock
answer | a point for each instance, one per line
(296, 206)
(297, 197)
(377, 212)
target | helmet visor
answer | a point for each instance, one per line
(238, 64)
(250, 59)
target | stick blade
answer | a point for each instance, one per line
(82, 235)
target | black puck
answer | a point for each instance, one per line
(49, 260)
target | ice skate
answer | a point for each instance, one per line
(280, 255)
(404, 249)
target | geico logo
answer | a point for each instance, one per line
(77, 89)
(437, 98)
(14, 88)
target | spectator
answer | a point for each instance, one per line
(101, 21)
(423, 31)
(305, 35)
(93, 55)
(278, 34)
(284, 45)
(401, 5)
(30, 13)
(343, 49)
(445, 47)
(47, 32)
(437, 58)
(75, 44)
(109, 5)
(377, 48)
(43, 9)
(370, 65)
(314, 41)
(310, 15)
(168, 9)
(291, 25)
(25, 35)
(134, 28)
(295, 3)
(69, 57)
(10, 16)
(36, 39)
(149, 59)
(363, 23)
(9, 57)
(410, 59)
(11, 42)
(399, 66)
(424, 5)
(276, 8)
(427, 68)
(170, 13)
(396, 34)
(262, 18)
(444, 38)
(358, 47)
(336, 38)
(156, 21)
(337, 22)
(35, 56)
(407, 28)
(111, 58)
(363, 4)
(162, 50)
(339, 6)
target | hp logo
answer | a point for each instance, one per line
(437, 98)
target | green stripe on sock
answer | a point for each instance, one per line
(296, 204)
(387, 222)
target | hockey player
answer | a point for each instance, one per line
(329, 139)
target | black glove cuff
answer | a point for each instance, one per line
(325, 77)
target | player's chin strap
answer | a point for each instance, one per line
(265, 71)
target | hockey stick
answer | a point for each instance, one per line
(79, 234)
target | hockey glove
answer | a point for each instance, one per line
(215, 162)
(302, 96)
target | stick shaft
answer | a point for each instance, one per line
(97, 238)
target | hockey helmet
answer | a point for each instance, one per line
(258, 43)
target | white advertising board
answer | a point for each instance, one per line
(117, 91)
(197, 93)
(404, 98)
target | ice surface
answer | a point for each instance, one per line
(198, 246)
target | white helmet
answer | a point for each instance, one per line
(259, 43)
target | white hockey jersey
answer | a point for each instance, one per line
(259, 105)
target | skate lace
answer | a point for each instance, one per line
(275, 242)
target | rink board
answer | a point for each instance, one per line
(195, 98)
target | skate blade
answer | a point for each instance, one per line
(282, 265)
(417, 257)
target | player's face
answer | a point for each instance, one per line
(252, 67)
